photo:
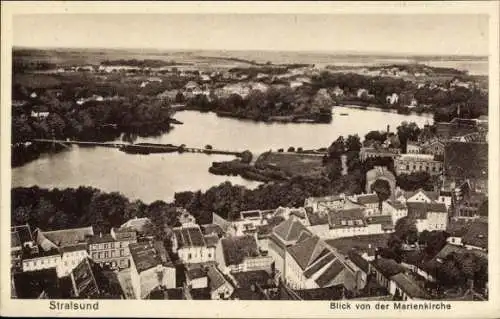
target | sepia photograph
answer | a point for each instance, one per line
(274, 156)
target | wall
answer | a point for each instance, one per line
(69, 261)
(40, 263)
(196, 254)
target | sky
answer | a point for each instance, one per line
(441, 34)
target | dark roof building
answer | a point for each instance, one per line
(464, 160)
(147, 256)
(477, 235)
(189, 237)
(419, 210)
(236, 249)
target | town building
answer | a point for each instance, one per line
(370, 203)
(285, 234)
(395, 209)
(428, 216)
(21, 243)
(241, 253)
(219, 285)
(323, 204)
(112, 249)
(141, 226)
(413, 163)
(189, 244)
(60, 249)
(150, 267)
(378, 152)
(196, 276)
(413, 147)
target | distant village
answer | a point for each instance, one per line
(331, 248)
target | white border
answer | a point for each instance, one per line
(254, 309)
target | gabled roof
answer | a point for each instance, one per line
(84, 280)
(419, 210)
(65, 237)
(466, 160)
(308, 251)
(321, 262)
(290, 230)
(137, 224)
(189, 237)
(146, 256)
(409, 286)
(330, 273)
(367, 199)
(477, 235)
(396, 204)
(212, 229)
(432, 196)
(236, 249)
(384, 220)
(211, 240)
(215, 278)
(387, 267)
(353, 217)
(359, 261)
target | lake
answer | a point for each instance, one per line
(159, 176)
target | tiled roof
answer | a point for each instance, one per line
(247, 278)
(137, 224)
(431, 195)
(409, 286)
(189, 237)
(101, 238)
(384, 220)
(396, 204)
(363, 243)
(317, 218)
(195, 273)
(477, 235)
(387, 267)
(215, 278)
(236, 249)
(84, 280)
(419, 210)
(212, 229)
(211, 240)
(68, 236)
(320, 263)
(144, 256)
(367, 199)
(359, 261)
(466, 160)
(76, 247)
(330, 273)
(304, 251)
(24, 233)
(346, 217)
(289, 230)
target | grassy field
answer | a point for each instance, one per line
(292, 163)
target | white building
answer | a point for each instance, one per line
(150, 268)
(428, 216)
(190, 245)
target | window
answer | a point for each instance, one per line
(122, 252)
(105, 246)
(189, 256)
(106, 254)
(209, 255)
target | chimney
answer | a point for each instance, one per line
(388, 128)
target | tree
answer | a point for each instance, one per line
(208, 147)
(353, 143)
(291, 149)
(406, 229)
(407, 132)
(383, 190)
(246, 157)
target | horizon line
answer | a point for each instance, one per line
(344, 52)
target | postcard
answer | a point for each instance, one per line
(250, 159)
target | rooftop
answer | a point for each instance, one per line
(387, 267)
(84, 280)
(212, 229)
(189, 237)
(137, 224)
(236, 249)
(330, 273)
(289, 230)
(364, 243)
(215, 278)
(477, 234)
(328, 293)
(145, 256)
(367, 199)
(346, 217)
(409, 286)
(246, 279)
(71, 236)
(419, 210)
(466, 160)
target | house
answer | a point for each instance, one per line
(428, 216)
(413, 103)
(421, 196)
(141, 226)
(370, 202)
(407, 289)
(150, 267)
(259, 86)
(246, 222)
(205, 78)
(467, 204)
(434, 147)
(395, 208)
(285, 234)
(22, 242)
(392, 99)
(254, 285)
(220, 287)
(413, 147)
(362, 93)
(312, 264)
(196, 276)
(476, 237)
(384, 269)
(378, 152)
(189, 243)
(467, 161)
(61, 249)
(323, 204)
(186, 219)
(338, 92)
(412, 163)
(112, 249)
(83, 280)
(241, 253)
